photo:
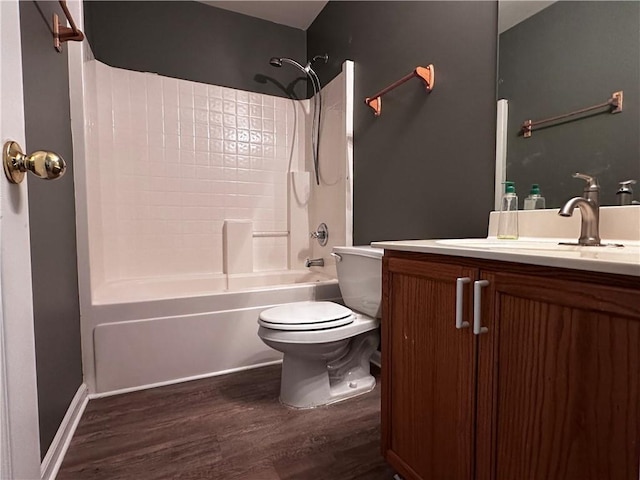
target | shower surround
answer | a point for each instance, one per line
(193, 194)
(177, 159)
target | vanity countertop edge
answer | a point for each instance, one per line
(594, 259)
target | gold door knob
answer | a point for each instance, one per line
(47, 165)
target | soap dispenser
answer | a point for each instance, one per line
(535, 200)
(508, 219)
(624, 193)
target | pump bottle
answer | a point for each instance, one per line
(535, 200)
(508, 219)
(625, 194)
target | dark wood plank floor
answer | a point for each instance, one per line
(230, 427)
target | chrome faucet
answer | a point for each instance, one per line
(314, 262)
(589, 205)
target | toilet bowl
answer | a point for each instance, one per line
(327, 346)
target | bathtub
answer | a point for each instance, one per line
(151, 332)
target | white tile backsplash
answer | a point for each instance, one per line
(173, 160)
(168, 161)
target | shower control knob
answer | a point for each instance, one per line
(322, 234)
(46, 165)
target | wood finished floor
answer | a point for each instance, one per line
(227, 428)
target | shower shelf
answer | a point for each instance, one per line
(427, 74)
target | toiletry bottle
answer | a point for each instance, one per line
(508, 219)
(534, 201)
(624, 193)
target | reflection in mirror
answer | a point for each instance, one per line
(566, 56)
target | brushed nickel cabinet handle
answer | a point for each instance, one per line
(460, 283)
(477, 307)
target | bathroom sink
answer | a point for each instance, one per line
(541, 234)
(495, 243)
(541, 244)
(546, 246)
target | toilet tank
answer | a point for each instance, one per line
(360, 278)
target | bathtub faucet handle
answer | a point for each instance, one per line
(321, 234)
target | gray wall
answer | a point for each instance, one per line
(569, 56)
(425, 167)
(193, 41)
(51, 221)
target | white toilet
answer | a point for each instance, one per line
(327, 346)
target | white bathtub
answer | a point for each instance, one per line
(157, 331)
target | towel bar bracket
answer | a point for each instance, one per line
(62, 33)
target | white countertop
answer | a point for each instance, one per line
(541, 231)
(534, 251)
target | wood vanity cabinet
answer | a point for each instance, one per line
(551, 390)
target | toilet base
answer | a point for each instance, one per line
(310, 383)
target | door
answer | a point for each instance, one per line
(430, 367)
(558, 381)
(19, 449)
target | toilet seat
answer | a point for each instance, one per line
(304, 316)
(361, 324)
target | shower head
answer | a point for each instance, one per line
(313, 77)
(308, 68)
(277, 62)
(324, 57)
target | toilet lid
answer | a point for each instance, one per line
(306, 316)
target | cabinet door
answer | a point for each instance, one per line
(428, 372)
(558, 381)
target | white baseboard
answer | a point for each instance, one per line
(58, 448)
(180, 380)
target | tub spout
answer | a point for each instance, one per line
(314, 262)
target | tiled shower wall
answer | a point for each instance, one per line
(169, 160)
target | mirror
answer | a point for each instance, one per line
(559, 57)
